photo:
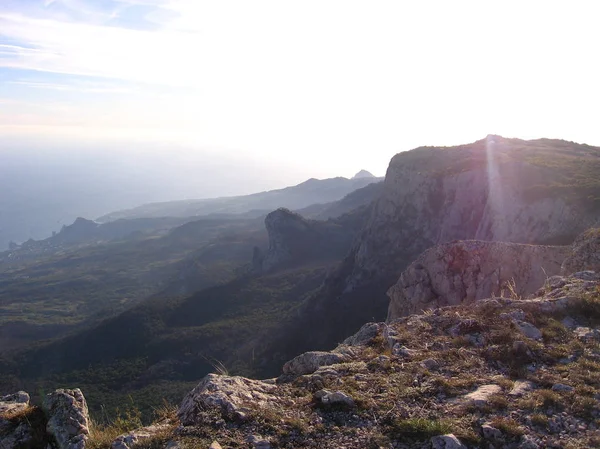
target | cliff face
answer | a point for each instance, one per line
(294, 239)
(495, 189)
(465, 271)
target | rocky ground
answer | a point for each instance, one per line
(500, 373)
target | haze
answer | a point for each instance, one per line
(206, 98)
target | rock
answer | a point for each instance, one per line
(259, 442)
(231, 396)
(295, 239)
(68, 418)
(562, 387)
(129, 440)
(491, 433)
(585, 333)
(466, 271)
(215, 445)
(446, 442)
(309, 362)
(430, 364)
(480, 396)
(14, 403)
(529, 330)
(327, 397)
(403, 351)
(465, 326)
(585, 254)
(527, 442)
(364, 336)
(520, 388)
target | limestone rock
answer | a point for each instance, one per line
(529, 330)
(215, 445)
(364, 336)
(466, 271)
(68, 418)
(327, 397)
(231, 396)
(521, 387)
(585, 254)
(446, 442)
(309, 362)
(13, 403)
(480, 396)
(562, 387)
(129, 440)
(14, 435)
(475, 191)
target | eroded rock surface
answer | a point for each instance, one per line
(68, 418)
(230, 396)
(465, 271)
(585, 255)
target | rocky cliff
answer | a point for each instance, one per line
(294, 240)
(465, 271)
(495, 189)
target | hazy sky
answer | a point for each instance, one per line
(328, 86)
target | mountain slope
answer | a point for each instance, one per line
(302, 195)
(496, 189)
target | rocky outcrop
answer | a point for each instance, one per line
(489, 190)
(363, 174)
(15, 429)
(465, 271)
(585, 254)
(232, 397)
(294, 239)
(68, 418)
(452, 387)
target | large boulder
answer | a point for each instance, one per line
(68, 418)
(465, 271)
(15, 432)
(585, 254)
(232, 397)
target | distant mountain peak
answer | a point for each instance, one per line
(363, 174)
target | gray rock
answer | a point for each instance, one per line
(529, 330)
(259, 442)
(481, 395)
(585, 333)
(585, 255)
(309, 362)
(430, 364)
(215, 445)
(231, 396)
(129, 440)
(68, 418)
(521, 387)
(562, 387)
(14, 403)
(446, 442)
(327, 397)
(527, 442)
(491, 433)
(364, 336)
(466, 271)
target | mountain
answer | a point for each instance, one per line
(501, 371)
(173, 338)
(313, 191)
(323, 280)
(363, 174)
(496, 189)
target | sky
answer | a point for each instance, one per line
(319, 88)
